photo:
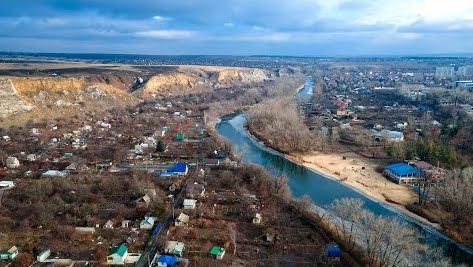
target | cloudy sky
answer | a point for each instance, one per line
(238, 27)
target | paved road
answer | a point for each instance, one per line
(150, 252)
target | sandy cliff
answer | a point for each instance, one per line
(24, 98)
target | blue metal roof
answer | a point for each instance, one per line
(178, 167)
(169, 260)
(334, 251)
(403, 169)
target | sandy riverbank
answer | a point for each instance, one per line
(368, 181)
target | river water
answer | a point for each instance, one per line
(322, 189)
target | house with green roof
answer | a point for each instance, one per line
(117, 255)
(180, 137)
(217, 252)
(9, 254)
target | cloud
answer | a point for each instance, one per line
(160, 18)
(272, 26)
(166, 34)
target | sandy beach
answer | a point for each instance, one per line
(366, 180)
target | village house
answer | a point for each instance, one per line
(31, 157)
(6, 184)
(12, 163)
(117, 255)
(179, 169)
(125, 223)
(402, 173)
(217, 252)
(166, 261)
(55, 173)
(195, 190)
(257, 218)
(9, 254)
(189, 204)
(147, 223)
(182, 220)
(174, 248)
(108, 225)
(334, 253)
(6, 138)
(43, 256)
(390, 136)
(143, 201)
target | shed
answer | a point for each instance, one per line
(108, 225)
(333, 251)
(217, 252)
(190, 203)
(257, 218)
(125, 223)
(43, 255)
(180, 137)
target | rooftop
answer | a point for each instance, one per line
(402, 169)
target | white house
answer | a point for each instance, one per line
(12, 163)
(108, 225)
(257, 218)
(31, 157)
(117, 255)
(182, 220)
(6, 184)
(189, 204)
(147, 223)
(43, 255)
(174, 247)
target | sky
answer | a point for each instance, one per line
(238, 27)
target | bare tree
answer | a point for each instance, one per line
(346, 213)
(233, 234)
(457, 194)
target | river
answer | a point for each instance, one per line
(323, 189)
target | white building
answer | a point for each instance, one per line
(12, 163)
(189, 204)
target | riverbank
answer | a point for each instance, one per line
(350, 172)
(360, 174)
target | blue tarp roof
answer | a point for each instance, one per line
(178, 167)
(334, 251)
(169, 260)
(403, 169)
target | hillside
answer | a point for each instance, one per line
(46, 94)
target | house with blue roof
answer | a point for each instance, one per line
(166, 261)
(402, 173)
(179, 169)
(334, 252)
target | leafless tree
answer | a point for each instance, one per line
(457, 194)
(346, 213)
(233, 236)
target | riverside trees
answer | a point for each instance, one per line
(384, 241)
(457, 194)
(278, 121)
